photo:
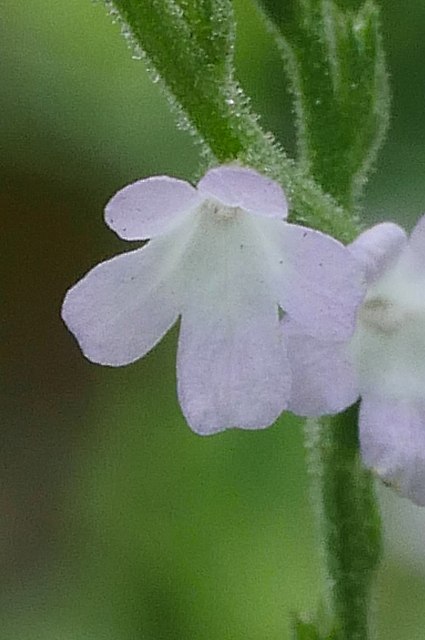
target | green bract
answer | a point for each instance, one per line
(335, 64)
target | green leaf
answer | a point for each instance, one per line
(335, 62)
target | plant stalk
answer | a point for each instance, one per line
(349, 520)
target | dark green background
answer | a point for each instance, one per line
(116, 522)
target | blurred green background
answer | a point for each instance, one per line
(116, 522)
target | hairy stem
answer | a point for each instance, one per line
(209, 96)
(349, 518)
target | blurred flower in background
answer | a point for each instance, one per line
(111, 528)
(383, 362)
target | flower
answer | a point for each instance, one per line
(222, 258)
(384, 362)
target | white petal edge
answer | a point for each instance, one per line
(232, 372)
(392, 440)
(378, 248)
(123, 307)
(324, 381)
(245, 188)
(150, 207)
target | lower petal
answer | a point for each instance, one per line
(124, 306)
(323, 378)
(232, 371)
(392, 439)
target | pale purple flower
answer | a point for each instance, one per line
(222, 258)
(384, 362)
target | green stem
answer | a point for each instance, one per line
(349, 519)
(215, 105)
(335, 63)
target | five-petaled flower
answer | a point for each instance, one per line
(223, 258)
(384, 362)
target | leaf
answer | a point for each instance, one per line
(335, 62)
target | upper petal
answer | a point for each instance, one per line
(245, 188)
(324, 381)
(150, 207)
(123, 307)
(378, 248)
(318, 282)
(392, 440)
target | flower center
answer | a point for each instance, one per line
(382, 316)
(388, 346)
(221, 212)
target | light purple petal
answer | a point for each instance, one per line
(232, 371)
(150, 207)
(322, 284)
(378, 248)
(324, 381)
(245, 188)
(392, 439)
(231, 366)
(123, 307)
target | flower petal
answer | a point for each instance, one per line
(318, 282)
(231, 366)
(232, 371)
(124, 306)
(392, 439)
(245, 188)
(324, 381)
(149, 207)
(378, 248)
